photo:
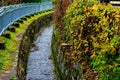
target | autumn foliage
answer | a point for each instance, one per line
(9, 2)
(59, 13)
(91, 33)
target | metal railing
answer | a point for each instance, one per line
(10, 14)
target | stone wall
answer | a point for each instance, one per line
(29, 36)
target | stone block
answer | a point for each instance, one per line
(28, 16)
(32, 15)
(2, 46)
(20, 21)
(24, 18)
(16, 24)
(6, 35)
(12, 29)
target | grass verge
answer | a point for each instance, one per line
(6, 56)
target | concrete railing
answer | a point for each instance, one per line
(115, 3)
(10, 14)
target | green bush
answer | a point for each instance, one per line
(1, 64)
(93, 29)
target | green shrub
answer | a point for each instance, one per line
(93, 31)
(1, 64)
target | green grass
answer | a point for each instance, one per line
(6, 58)
(14, 77)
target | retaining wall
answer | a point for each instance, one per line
(28, 38)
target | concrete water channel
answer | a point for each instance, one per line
(40, 66)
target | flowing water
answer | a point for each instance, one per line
(40, 67)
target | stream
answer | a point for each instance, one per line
(40, 66)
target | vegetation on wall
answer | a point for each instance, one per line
(32, 32)
(33, 1)
(90, 31)
(28, 1)
(9, 2)
(59, 13)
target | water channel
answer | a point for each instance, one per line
(40, 66)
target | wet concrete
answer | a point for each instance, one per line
(40, 67)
